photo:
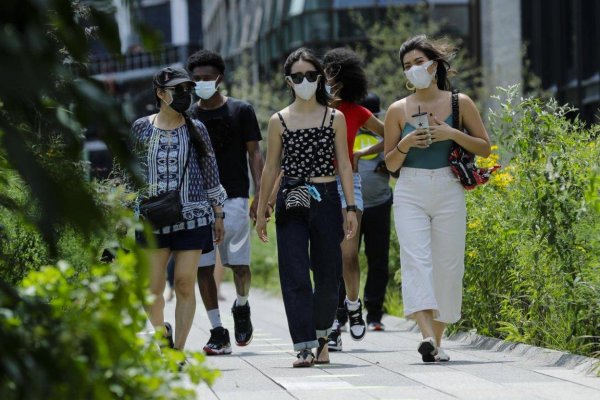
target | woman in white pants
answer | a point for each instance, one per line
(429, 201)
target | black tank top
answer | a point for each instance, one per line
(299, 150)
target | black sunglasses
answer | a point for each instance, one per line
(298, 77)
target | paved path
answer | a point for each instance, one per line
(385, 365)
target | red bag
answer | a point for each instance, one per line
(462, 162)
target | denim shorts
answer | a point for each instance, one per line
(358, 200)
(200, 238)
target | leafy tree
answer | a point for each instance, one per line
(69, 330)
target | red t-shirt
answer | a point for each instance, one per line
(356, 116)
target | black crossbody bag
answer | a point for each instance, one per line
(165, 209)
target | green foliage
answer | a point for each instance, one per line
(70, 330)
(533, 272)
(44, 45)
(62, 337)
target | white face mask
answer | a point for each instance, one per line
(306, 90)
(419, 76)
(205, 89)
(328, 89)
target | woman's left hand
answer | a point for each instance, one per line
(219, 231)
(441, 131)
(351, 225)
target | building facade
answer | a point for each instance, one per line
(269, 30)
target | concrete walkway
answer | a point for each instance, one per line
(385, 365)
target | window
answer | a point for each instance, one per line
(296, 7)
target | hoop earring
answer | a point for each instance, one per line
(410, 87)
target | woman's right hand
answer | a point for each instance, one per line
(261, 228)
(417, 138)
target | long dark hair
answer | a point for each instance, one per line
(440, 50)
(345, 66)
(307, 55)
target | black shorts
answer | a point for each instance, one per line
(187, 239)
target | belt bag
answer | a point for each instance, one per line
(295, 195)
(162, 210)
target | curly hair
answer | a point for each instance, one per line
(206, 57)
(439, 50)
(345, 66)
(307, 55)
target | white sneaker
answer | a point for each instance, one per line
(441, 355)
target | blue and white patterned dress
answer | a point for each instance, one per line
(163, 154)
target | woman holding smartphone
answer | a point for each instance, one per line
(304, 139)
(429, 201)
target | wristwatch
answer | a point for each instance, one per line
(220, 214)
(351, 207)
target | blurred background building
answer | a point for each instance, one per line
(556, 40)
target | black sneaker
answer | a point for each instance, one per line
(334, 340)
(358, 327)
(169, 335)
(218, 343)
(242, 325)
(428, 350)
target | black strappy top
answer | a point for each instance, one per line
(299, 146)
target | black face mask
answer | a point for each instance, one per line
(181, 102)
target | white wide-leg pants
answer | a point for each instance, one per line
(430, 219)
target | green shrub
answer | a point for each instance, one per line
(533, 272)
(78, 338)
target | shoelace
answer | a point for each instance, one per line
(355, 317)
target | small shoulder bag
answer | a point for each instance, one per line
(165, 209)
(462, 162)
(297, 192)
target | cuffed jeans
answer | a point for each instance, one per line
(310, 239)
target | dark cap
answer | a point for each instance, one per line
(372, 103)
(171, 76)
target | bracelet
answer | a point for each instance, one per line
(398, 148)
(220, 214)
(351, 207)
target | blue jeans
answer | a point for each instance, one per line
(310, 239)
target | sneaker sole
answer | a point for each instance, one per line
(335, 348)
(246, 343)
(425, 349)
(213, 352)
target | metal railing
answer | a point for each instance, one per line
(138, 59)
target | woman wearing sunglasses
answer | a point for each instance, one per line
(348, 86)
(304, 139)
(429, 201)
(177, 158)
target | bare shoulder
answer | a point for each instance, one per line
(338, 115)
(465, 101)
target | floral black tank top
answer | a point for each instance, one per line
(309, 152)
